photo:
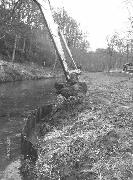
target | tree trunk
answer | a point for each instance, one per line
(109, 63)
(23, 49)
(8, 54)
(30, 48)
(14, 49)
(131, 50)
(127, 52)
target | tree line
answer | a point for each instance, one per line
(24, 36)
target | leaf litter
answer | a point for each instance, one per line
(93, 140)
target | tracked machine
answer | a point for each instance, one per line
(70, 91)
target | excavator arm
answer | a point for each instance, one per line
(70, 92)
(57, 38)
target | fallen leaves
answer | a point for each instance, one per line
(93, 140)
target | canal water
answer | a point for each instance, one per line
(16, 100)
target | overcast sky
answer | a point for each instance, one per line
(99, 18)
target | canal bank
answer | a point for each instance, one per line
(10, 72)
(16, 100)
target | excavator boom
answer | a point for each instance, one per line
(70, 93)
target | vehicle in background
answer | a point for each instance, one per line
(128, 68)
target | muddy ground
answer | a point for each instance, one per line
(92, 140)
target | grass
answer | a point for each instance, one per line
(93, 140)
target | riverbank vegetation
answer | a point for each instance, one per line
(92, 140)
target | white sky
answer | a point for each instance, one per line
(99, 18)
